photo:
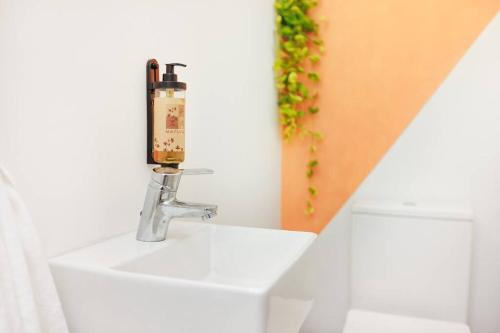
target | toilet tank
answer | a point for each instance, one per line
(411, 259)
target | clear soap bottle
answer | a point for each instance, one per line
(168, 119)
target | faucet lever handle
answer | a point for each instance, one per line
(192, 172)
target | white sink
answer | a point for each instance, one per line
(204, 278)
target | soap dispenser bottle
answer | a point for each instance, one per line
(166, 103)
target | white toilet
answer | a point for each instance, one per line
(410, 268)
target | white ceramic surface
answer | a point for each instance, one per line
(411, 259)
(204, 278)
(359, 321)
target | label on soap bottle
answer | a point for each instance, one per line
(168, 132)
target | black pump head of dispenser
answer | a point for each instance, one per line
(169, 80)
(170, 72)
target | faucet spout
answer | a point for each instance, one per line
(181, 209)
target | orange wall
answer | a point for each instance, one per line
(383, 60)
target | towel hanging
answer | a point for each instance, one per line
(28, 298)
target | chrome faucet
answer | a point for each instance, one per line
(161, 204)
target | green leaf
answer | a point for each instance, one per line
(296, 98)
(314, 58)
(309, 173)
(313, 76)
(309, 208)
(304, 51)
(313, 109)
(312, 191)
(300, 38)
(316, 135)
(317, 42)
(289, 46)
(297, 10)
(292, 77)
(303, 90)
(312, 164)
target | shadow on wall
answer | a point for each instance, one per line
(327, 264)
(450, 152)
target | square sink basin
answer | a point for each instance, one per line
(203, 278)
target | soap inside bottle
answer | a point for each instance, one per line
(168, 128)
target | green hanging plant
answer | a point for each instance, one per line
(299, 49)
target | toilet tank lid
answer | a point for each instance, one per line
(360, 321)
(426, 210)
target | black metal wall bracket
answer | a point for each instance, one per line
(152, 75)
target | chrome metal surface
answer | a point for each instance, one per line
(161, 204)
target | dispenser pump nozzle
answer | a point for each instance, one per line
(169, 73)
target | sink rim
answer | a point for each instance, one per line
(90, 259)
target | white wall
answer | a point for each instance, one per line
(449, 153)
(72, 109)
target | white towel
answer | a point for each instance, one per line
(28, 298)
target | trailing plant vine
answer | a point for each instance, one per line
(299, 49)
